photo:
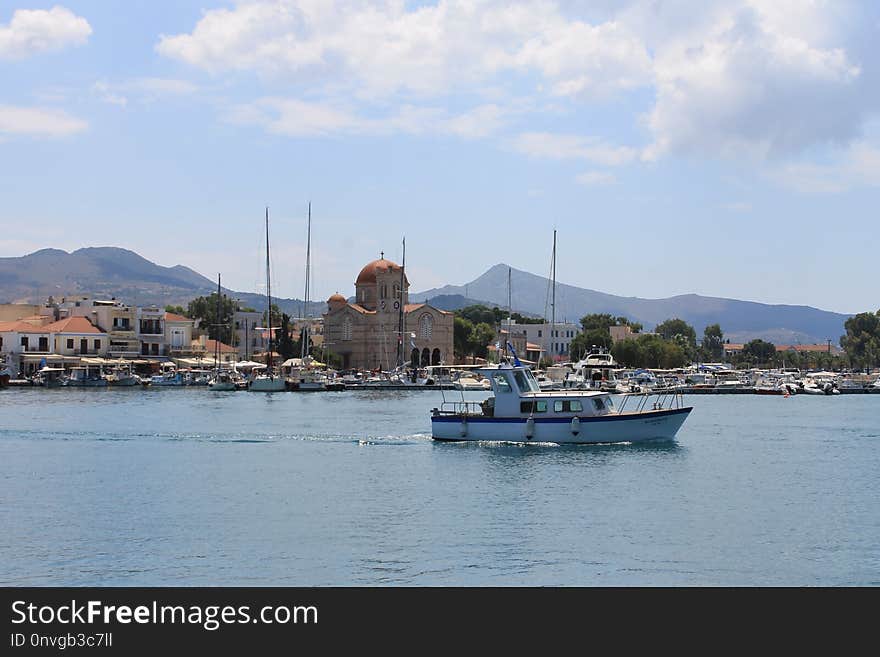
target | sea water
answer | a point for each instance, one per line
(130, 487)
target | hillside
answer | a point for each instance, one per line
(740, 320)
(107, 272)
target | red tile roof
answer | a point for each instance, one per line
(173, 317)
(224, 348)
(72, 325)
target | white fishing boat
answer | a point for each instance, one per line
(86, 377)
(519, 411)
(168, 378)
(268, 381)
(122, 376)
(50, 377)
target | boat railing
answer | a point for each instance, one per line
(665, 399)
(459, 408)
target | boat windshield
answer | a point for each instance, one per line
(531, 381)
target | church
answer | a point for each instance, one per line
(365, 333)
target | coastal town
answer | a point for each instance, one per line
(377, 338)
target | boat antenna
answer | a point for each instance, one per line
(509, 312)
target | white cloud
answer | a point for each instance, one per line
(145, 90)
(765, 79)
(33, 31)
(856, 166)
(38, 122)
(563, 147)
(379, 48)
(298, 118)
(753, 81)
(596, 178)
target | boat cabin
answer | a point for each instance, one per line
(516, 393)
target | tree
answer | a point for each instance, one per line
(177, 310)
(627, 352)
(480, 313)
(480, 338)
(286, 346)
(461, 333)
(862, 339)
(204, 310)
(713, 342)
(758, 352)
(673, 327)
(583, 342)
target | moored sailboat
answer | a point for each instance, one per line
(269, 381)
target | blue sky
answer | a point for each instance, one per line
(723, 148)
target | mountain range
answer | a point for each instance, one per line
(110, 272)
(107, 272)
(740, 320)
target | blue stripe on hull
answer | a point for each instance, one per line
(563, 420)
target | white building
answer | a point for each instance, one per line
(554, 339)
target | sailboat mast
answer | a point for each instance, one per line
(401, 316)
(217, 333)
(305, 330)
(553, 298)
(268, 298)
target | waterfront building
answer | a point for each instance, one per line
(248, 336)
(554, 340)
(151, 331)
(365, 333)
(29, 343)
(116, 319)
(179, 337)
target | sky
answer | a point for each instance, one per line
(721, 148)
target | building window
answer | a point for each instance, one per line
(426, 326)
(396, 291)
(384, 292)
(70, 343)
(155, 349)
(97, 345)
(539, 333)
(1, 341)
(44, 344)
(346, 328)
(25, 342)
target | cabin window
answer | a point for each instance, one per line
(533, 407)
(521, 383)
(568, 406)
(598, 404)
(501, 383)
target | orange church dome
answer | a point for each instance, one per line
(370, 270)
(337, 298)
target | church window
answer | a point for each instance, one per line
(426, 326)
(346, 328)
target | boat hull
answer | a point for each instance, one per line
(624, 428)
(268, 384)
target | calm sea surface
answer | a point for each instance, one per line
(193, 487)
